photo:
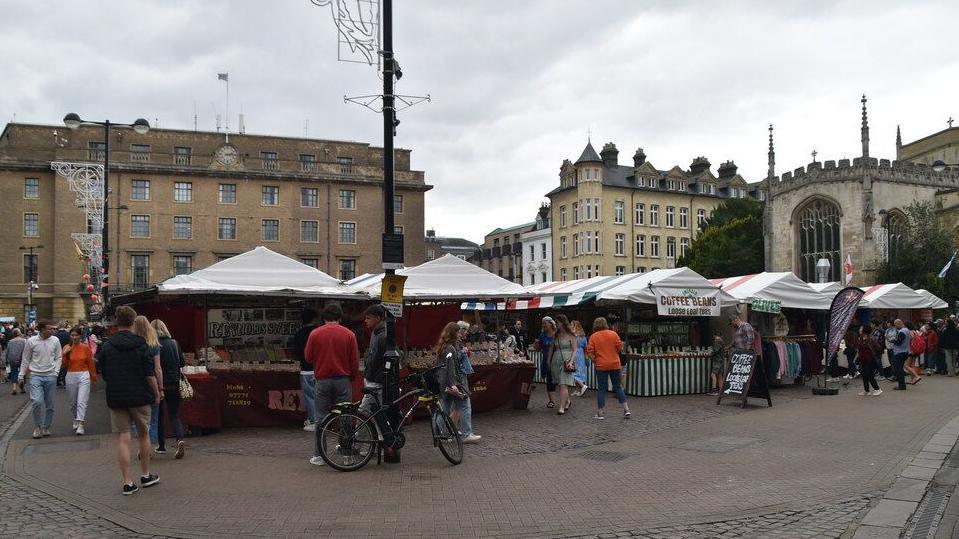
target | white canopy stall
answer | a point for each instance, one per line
(828, 289)
(446, 278)
(935, 302)
(893, 296)
(784, 287)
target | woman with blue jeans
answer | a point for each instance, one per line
(603, 348)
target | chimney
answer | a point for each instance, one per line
(431, 233)
(609, 155)
(700, 164)
(639, 157)
(727, 170)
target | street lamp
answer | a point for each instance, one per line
(29, 311)
(141, 127)
(822, 270)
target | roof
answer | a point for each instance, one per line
(452, 242)
(790, 291)
(510, 229)
(446, 278)
(589, 155)
(893, 296)
(830, 289)
(935, 302)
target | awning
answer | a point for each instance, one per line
(446, 278)
(790, 291)
(557, 294)
(829, 289)
(893, 296)
(642, 288)
(935, 302)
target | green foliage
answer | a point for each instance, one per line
(924, 249)
(730, 242)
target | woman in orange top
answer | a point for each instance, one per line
(81, 372)
(604, 348)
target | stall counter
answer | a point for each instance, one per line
(657, 375)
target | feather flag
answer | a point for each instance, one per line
(945, 269)
(847, 268)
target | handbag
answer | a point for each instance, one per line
(569, 365)
(186, 390)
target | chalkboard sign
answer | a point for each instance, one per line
(746, 378)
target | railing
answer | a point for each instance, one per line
(183, 159)
(271, 164)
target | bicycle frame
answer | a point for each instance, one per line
(423, 398)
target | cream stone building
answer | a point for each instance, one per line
(182, 200)
(612, 219)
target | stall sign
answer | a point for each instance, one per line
(766, 305)
(687, 301)
(745, 378)
(239, 327)
(391, 294)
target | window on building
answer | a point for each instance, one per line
(270, 230)
(30, 268)
(226, 228)
(182, 155)
(182, 228)
(141, 270)
(562, 216)
(140, 190)
(309, 231)
(700, 217)
(532, 278)
(575, 213)
(397, 229)
(620, 270)
(641, 269)
(712, 189)
(397, 203)
(31, 225)
(346, 164)
(640, 214)
(654, 246)
(309, 197)
(671, 247)
(140, 152)
(307, 162)
(576, 245)
(311, 262)
(347, 269)
(683, 217)
(31, 188)
(183, 192)
(182, 264)
(819, 229)
(575, 272)
(562, 247)
(221, 258)
(347, 232)
(596, 209)
(96, 151)
(270, 161)
(562, 274)
(588, 205)
(347, 199)
(431, 254)
(596, 242)
(227, 193)
(620, 244)
(654, 215)
(683, 246)
(619, 212)
(270, 195)
(139, 226)
(640, 245)
(589, 271)
(670, 216)
(543, 250)
(762, 195)
(532, 252)
(544, 277)
(589, 243)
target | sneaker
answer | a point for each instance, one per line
(472, 439)
(847, 377)
(45, 432)
(582, 392)
(132, 488)
(598, 416)
(317, 461)
(627, 414)
(79, 429)
(159, 450)
(309, 427)
(149, 480)
(876, 392)
(37, 432)
(75, 424)
(862, 393)
(180, 450)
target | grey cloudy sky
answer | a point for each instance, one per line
(515, 85)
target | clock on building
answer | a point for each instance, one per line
(227, 155)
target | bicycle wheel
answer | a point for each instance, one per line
(446, 437)
(347, 441)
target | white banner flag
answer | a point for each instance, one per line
(687, 301)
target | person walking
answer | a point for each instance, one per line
(373, 377)
(869, 351)
(717, 365)
(14, 354)
(127, 367)
(949, 342)
(543, 345)
(142, 327)
(917, 347)
(604, 348)
(449, 374)
(310, 320)
(562, 363)
(465, 406)
(81, 373)
(932, 347)
(63, 335)
(42, 359)
(171, 361)
(580, 357)
(900, 350)
(333, 352)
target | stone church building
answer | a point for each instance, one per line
(831, 209)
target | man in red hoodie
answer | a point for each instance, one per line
(335, 356)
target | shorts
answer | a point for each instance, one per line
(717, 365)
(121, 418)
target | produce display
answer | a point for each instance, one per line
(248, 358)
(481, 355)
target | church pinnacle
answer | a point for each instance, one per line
(772, 155)
(898, 142)
(865, 129)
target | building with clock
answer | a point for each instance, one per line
(181, 200)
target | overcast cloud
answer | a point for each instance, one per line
(514, 89)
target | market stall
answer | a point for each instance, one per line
(432, 293)
(935, 302)
(827, 289)
(895, 300)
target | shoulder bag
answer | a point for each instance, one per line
(569, 365)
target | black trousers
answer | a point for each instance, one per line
(869, 375)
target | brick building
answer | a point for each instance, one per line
(182, 200)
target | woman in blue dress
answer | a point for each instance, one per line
(580, 375)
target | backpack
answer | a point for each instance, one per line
(917, 345)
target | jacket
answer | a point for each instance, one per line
(449, 373)
(15, 351)
(126, 365)
(949, 340)
(375, 360)
(171, 361)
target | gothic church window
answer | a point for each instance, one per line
(819, 237)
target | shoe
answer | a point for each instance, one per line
(582, 391)
(917, 380)
(37, 432)
(876, 392)
(160, 450)
(551, 404)
(180, 450)
(132, 488)
(472, 439)
(627, 414)
(599, 416)
(309, 427)
(45, 432)
(862, 393)
(149, 480)
(317, 461)
(714, 394)
(560, 412)
(847, 377)
(75, 423)
(79, 429)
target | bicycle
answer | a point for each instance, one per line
(349, 437)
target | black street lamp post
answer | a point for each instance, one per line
(31, 281)
(141, 127)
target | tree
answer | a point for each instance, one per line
(730, 241)
(920, 254)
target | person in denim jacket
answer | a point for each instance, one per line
(466, 368)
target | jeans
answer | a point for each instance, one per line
(14, 372)
(448, 403)
(329, 391)
(602, 385)
(950, 361)
(869, 375)
(171, 402)
(78, 390)
(42, 391)
(898, 360)
(308, 384)
(154, 424)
